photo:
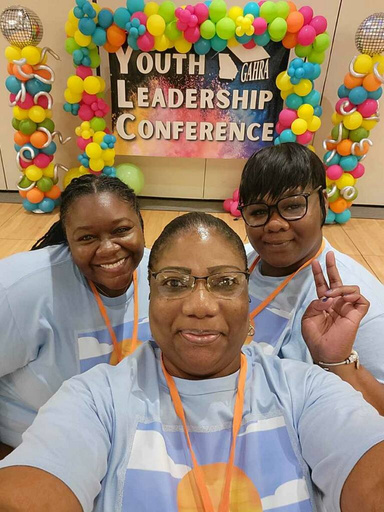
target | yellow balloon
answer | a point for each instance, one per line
(37, 114)
(161, 43)
(353, 121)
(182, 46)
(72, 97)
(363, 64)
(235, 12)
(48, 113)
(98, 137)
(92, 85)
(96, 164)
(32, 54)
(33, 173)
(337, 118)
(155, 25)
(19, 113)
(12, 53)
(108, 154)
(49, 171)
(285, 94)
(283, 81)
(314, 124)
(151, 8)
(81, 39)
(379, 59)
(306, 111)
(328, 182)
(303, 88)
(299, 126)
(75, 84)
(232, 42)
(312, 148)
(346, 180)
(368, 125)
(71, 17)
(94, 151)
(97, 7)
(102, 83)
(70, 175)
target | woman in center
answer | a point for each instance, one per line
(195, 421)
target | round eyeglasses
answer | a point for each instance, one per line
(176, 285)
(290, 208)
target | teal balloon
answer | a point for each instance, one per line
(294, 101)
(131, 175)
(243, 39)
(313, 98)
(333, 161)
(263, 39)
(252, 8)
(348, 163)
(202, 46)
(218, 44)
(331, 216)
(343, 217)
(135, 5)
(121, 17)
(287, 136)
(29, 206)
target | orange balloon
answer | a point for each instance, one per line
(349, 204)
(371, 83)
(292, 7)
(351, 81)
(35, 195)
(116, 36)
(23, 193)
(110, 48)
(290, 40)
(343, 148)
(26, 68)
(21, 139)
(364, 151)
(54, 193)
(38, 139)
(44, 73)
(331, 146)
(339, 205)
(10, 68)
(295, 21)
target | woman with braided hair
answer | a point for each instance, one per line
(79, 298)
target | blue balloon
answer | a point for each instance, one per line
(358, 95)
(299, 73)
(343, 217)
(218, 44)
(343, 92)
(376, 95)
(47, 205)
(105, 18)
(202, 46)
(348, 163)
(108, 170)
(243, 39)
(287, 136)
(34, 86)
(87, 26)
(330, 219)
(251, 8)
(29, 206)
(50, 149)
(13, 84)
(78, 12)
(277, 141)
(29, 155)
(294, 101)
(313, 98)
(316, 71)
(296, 63)
(333, 161)
(57, 201)
(89, 10)
(121, 17)
(309, 70)
(295, 80)
(135, 5)
(318, 111)
(263, 39)
(99, 36)
(132, 42)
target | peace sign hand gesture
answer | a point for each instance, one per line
(330, 323)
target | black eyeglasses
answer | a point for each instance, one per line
(290, 208)
(173, 284)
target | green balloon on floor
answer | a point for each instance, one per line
(131, 175)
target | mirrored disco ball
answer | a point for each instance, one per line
(369, 37)
(21, 26)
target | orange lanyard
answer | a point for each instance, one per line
(237, 417)
(282, 285)
(125, 349)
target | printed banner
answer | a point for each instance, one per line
(219, 105)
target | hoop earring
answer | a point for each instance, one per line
(251, 330)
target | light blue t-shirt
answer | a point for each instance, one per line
(113, 437)
(278, 326)
(52, 329)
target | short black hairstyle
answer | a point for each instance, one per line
(87, 184)
(190, 222)
(275, 170)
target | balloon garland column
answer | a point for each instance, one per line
(356, 114)
(29, 84)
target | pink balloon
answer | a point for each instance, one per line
(251, 44)
(141, 16)
(42, 160)
(319, 23)
(334, 172)
(261, 2)
(304, 138)
(82, 143)
(146, 42)
(202, 12)
(347, 108)
(306, 35)
(287, 116)
(236, 195)
(279, 128)
(26, 104)
(260, 25)
(192, 34)
(358, 171)
(227, 204)
(42, 101)
(24, 164)
(368, 108)
(88, 99)
(83, 72)
(307, 12)
(86, 113)
(234, 211)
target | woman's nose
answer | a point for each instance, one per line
(200, 302)
(108, 246)
(276, 222)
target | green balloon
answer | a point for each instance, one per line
(321, 42)
(358, 134)
(277, 29)
(217, 10)
(98, 124)
(172, 32)
(95, 58)
(302, 51)
(44, 184)
(207, 29)
(71, 45)
(167, 11)
(48, 124)
(316, 57)
(15, 123)
(25, 182)
(225, 28)
(27, 126)
(268, 11)
(335, 133)
(131, 175)
(282, 9)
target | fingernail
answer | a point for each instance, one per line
(324, 299)
(328, 292)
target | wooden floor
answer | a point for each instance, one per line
(362, 239)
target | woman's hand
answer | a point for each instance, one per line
(330, 323)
